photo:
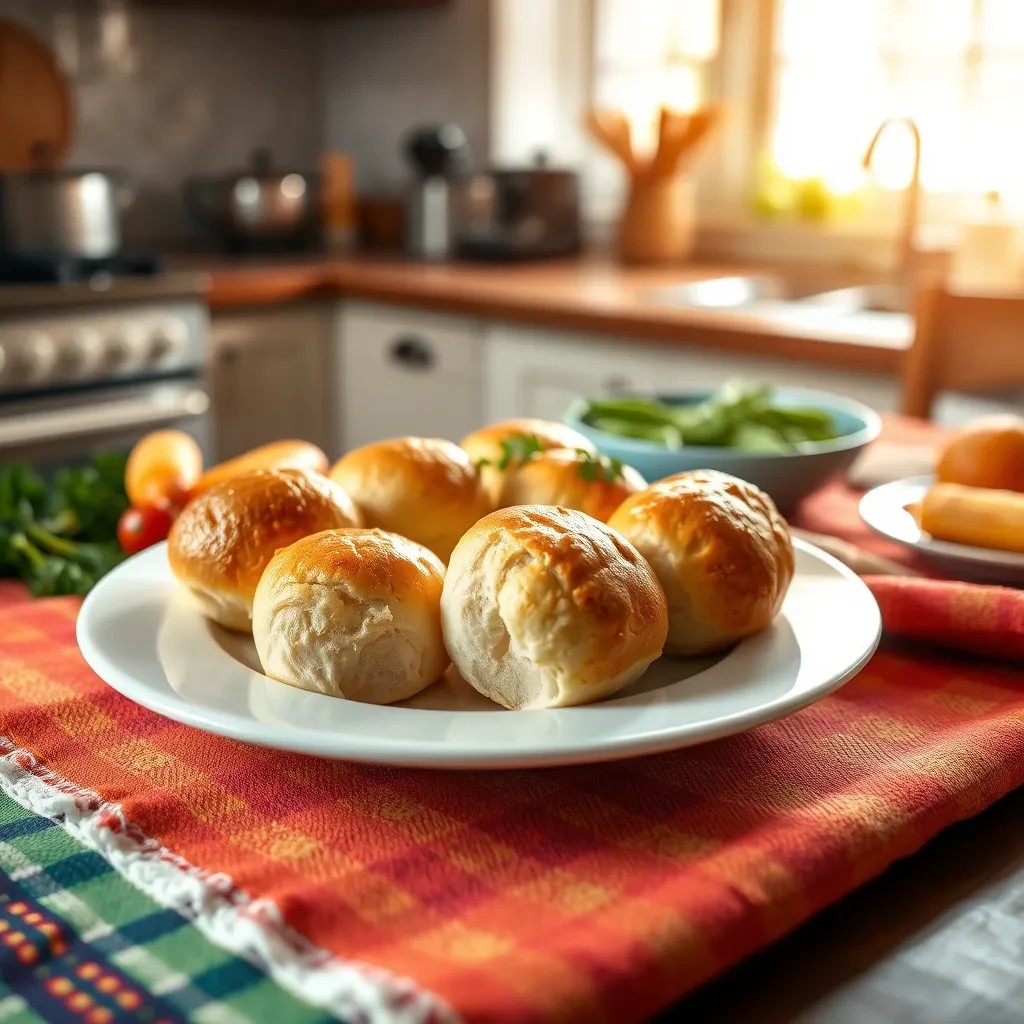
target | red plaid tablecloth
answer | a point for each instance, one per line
(593, 893)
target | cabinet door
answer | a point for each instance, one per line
(538, 372)
(270, 378)
(407, 371)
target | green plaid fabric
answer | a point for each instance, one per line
(80, 944)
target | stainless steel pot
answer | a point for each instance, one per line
(61, 212)
(259, 204)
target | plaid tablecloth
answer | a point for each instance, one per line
(595, 893)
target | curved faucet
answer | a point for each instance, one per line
(912, 194)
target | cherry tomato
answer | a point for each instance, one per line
(140, 528)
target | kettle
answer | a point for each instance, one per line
(439, 154)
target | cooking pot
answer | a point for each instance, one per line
(64, 212)
(261, 203)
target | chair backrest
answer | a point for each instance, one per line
(962, 343)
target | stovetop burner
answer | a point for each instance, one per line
(63, 269)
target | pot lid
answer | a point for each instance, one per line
(36, 106)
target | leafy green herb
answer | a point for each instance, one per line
(515, 450)
(62, 539)
(599, 467)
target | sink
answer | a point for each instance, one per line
(771, 293)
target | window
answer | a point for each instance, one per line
(657, 52)
(955, 66)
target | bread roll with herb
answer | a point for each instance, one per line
(424, 488)
(588, 483)
(721, 551)
(502, 446)
(545, 607)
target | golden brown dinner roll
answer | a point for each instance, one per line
(980, 516)
(424, 488)
(544, 607)
(352, 613)
(721, 551)
(571, 479)
(222, 541)
(276, 455)
(485, 445)
(987, 453)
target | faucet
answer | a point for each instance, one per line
(912, 196)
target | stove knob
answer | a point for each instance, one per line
(83, 353)
(123, 348)
(33, 359)
(168, 339)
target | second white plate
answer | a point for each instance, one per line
(140, 634)
(884, 509)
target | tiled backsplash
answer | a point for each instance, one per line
(208, 88)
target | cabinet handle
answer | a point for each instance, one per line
(617, 382)
(411, 352)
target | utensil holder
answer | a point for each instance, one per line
(658, 223)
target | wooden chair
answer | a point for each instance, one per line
(963, 343)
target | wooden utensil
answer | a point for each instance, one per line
(36, 106)
(611, 127)
(679, 138)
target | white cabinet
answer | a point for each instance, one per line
(406, 371)
(269, 377)
(539, 372)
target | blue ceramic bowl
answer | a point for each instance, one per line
(786, 476)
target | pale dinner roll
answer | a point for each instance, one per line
(222, 541)
(570, 479)
(484, 445)
(721, 551)
(352, 613)
(424, 488)
(545, 607)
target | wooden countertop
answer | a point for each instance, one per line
(586, 295)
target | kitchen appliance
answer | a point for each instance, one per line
(94, 365)
(64, 213)
(518, 213)
(260, 207)
(440, 156)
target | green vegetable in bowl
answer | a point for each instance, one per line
(61, 539)
(736, 416)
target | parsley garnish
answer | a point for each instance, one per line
(599, 467)
(515, 450)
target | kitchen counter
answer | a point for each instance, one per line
(589, 295)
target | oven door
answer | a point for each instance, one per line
(64, 430)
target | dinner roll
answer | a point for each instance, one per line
(424, 488)
(352, 613)
(986, 453)
(222, 541)
(544, 607)
(571, 479)
(485, 445)
(721, 551)
(276, 455)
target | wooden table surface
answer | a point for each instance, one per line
(937, 939)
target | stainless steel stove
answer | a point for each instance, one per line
(93, 365)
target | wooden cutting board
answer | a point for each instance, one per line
(36, 107)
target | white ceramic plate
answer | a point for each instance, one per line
(884, 509)
(139, 633)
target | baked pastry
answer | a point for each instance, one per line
(487, 446)
(571, 479)
(721, 551)
(222, 541)
(276, 455)
(424, 488)
(979, 516)
(986, 453)
(352, 613)
(544, 607)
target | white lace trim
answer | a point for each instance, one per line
(249, 928)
